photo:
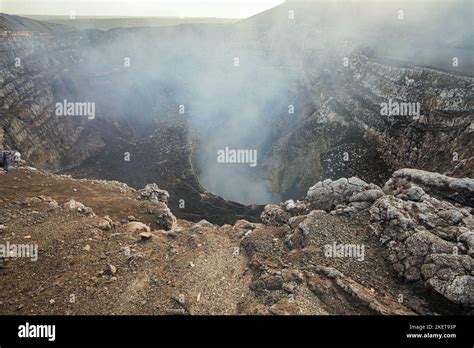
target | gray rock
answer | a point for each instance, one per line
(427, 242)
(467, 238)
(451, 276)
(367, 196)
(460, 190)
(79, 207)
(10, 159)
(163, 216)
(326, 195)
(415, 193)
(153, 193)
(296, 220)
(294, 208)
(204, 223)
(275, 215)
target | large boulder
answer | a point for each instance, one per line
(136, 226)
(275, 215)
(79, 207)
(278, 215)
(328, 194)
(155, 203)
(153, 193)
(162, 215)
(9, 159)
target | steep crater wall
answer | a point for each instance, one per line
(164, 110)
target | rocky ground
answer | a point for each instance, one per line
(105, 248)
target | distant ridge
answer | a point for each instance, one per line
(107, 23)
(18, 23)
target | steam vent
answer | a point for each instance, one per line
(308, 158)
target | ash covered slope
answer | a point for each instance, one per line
(120, 253)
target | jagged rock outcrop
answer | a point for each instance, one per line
(309, 224)
(428, 240)
(288, 277)
(153, 193)
(162, 215)
(460, 190)
(347, 195)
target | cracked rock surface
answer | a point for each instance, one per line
(429, 240)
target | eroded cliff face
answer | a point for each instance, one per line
(439, 138)
(34, 68)
(344, 130)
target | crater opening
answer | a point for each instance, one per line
(229, 117)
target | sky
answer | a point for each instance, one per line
(139, 8)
